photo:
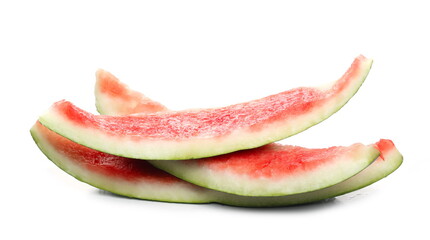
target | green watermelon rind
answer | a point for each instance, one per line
(173, 192)
(188, 193)
(334, 171)
(202, 147)
(372, 174)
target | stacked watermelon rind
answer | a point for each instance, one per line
(344, 176)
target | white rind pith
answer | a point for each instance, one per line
(105, 104)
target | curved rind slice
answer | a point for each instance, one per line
(123, 176)
(274, 169)
(115, 98)
(389, 160)
(178, 135)
(137, 179)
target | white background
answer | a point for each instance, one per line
(189, 54)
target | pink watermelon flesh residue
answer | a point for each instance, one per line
(103, 163)
(210, 122)
(108, 84)
(111, 86)
(266, 161)
(203, 123)
(273, 160)
(352, 72)
(384, 146)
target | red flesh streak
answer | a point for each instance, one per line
(273, 160)
(343, 82)
(384, 146)
(109, 84)
(106, 164)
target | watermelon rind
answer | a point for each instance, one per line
(178, 191)
(186, 171)
(378, 170)
(204, 144)
(184, 192)
(333, 171)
